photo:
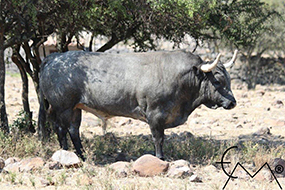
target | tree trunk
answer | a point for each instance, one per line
(3, 115)
(25, 93)
(91, 42)
(36, 61)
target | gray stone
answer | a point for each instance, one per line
(67, 159)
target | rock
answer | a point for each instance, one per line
(210, 169)
(278, 104)
(195, 115)
(195, 178)
(2, 164)
(260, 92)
(66, 158)
(14, 167)
(180, 163)
(53, 165)
(125, 122)
(12, 160)
(30, 164)
(239, 126)
(148, 166)
(180, 172)
(25, 165)
(262, 131)
(122, 169)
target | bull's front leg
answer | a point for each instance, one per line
(156, 121)
(158, 138)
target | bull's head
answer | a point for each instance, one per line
(217, 84)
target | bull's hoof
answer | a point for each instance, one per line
(82, 158)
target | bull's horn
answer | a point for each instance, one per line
(232, 61)
(209, 67)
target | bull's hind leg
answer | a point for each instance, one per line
(61, 134)
(74, 132)
(70, 121)
(104, 126)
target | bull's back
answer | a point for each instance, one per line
(100, 81)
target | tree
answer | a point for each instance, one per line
(22, 22)
(145, 21)
(247, 25)
(12, 31)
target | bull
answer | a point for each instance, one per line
(159, 88)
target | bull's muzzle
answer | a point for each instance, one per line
(230, 105)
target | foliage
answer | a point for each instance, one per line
(251, 26)
(21, 124)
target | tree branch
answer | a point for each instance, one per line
(24, 63)
(113, 41)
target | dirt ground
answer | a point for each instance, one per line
(255, 109)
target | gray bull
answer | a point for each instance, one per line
(159, 88)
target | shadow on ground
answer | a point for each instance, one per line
(101, 150)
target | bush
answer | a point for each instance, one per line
(22, 124)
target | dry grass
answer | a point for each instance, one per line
(101, 151)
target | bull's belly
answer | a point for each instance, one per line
(136, 113)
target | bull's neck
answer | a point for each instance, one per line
(195, 94)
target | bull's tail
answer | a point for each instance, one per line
(43, 130)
